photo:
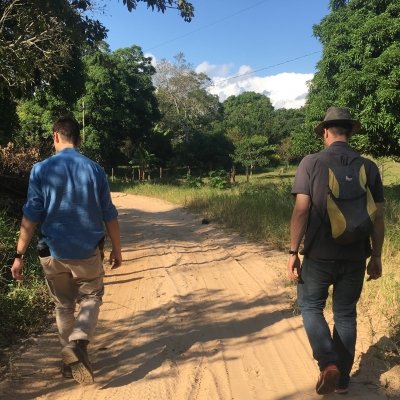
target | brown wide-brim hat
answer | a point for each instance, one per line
(340, 116)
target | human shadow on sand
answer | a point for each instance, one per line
(187, 320)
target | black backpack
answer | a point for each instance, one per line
(349, 203)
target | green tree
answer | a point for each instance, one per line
(205, 152)
(37, 112)
(144, 160)
(285, 122)
(253, 151)
(41, 46)
(248, 114)
(120, 105)
(304, 141)
(158, 142)
(185, 105)
(38, 38)
(359, 70)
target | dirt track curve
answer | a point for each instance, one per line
(195, 313)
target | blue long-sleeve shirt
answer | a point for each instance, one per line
(69, 196)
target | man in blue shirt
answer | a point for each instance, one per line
(69, 197)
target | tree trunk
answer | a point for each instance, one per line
(232, 174)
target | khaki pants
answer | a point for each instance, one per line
(72, 282)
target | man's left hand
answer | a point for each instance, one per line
(115, 259)
(374, 268)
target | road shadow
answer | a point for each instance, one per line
(183, 322)
(380, 366)
(174, 328)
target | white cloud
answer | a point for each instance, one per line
(153, 58)
(213, 69)
(285, 90)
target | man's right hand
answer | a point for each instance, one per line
(16, 269)
(294, 267)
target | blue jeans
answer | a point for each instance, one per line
(347, 278)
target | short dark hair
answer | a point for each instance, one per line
(339, 128)
(69, 128)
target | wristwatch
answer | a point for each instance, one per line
(293, 252)
(19, 255)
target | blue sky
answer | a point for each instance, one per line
(227, 38)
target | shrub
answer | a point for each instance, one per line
(24, 309)
(219, 179)
(193, 181)
(17, 161)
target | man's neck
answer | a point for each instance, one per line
(63, 146)
(333, 139)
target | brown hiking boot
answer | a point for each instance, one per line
(66, 371)
(74, 354)
(328, 379)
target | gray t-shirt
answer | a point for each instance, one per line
(311, 179)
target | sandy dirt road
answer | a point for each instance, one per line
(195, 313)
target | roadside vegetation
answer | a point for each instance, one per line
(24, 306)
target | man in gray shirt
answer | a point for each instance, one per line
(327, 262)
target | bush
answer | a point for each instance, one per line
(219, 179)
(23, 311)
(193, 181)
(24, 307)
(17, 160)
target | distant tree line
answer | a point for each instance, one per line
(54, 60)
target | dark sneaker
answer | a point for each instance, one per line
(66, 371)
(342, 386)
(328, 379)
(342, 390)
(74, 354)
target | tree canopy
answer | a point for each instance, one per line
(42, 44)
(359, 69)
(185, 104)
(185, 8)
(119, 101)
(39, 39)
(248, 114)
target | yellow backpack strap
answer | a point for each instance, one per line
(363, 178)
(371, 206)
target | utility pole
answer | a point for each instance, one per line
(83, 121)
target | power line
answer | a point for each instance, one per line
(264, 68)
(206, 26)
